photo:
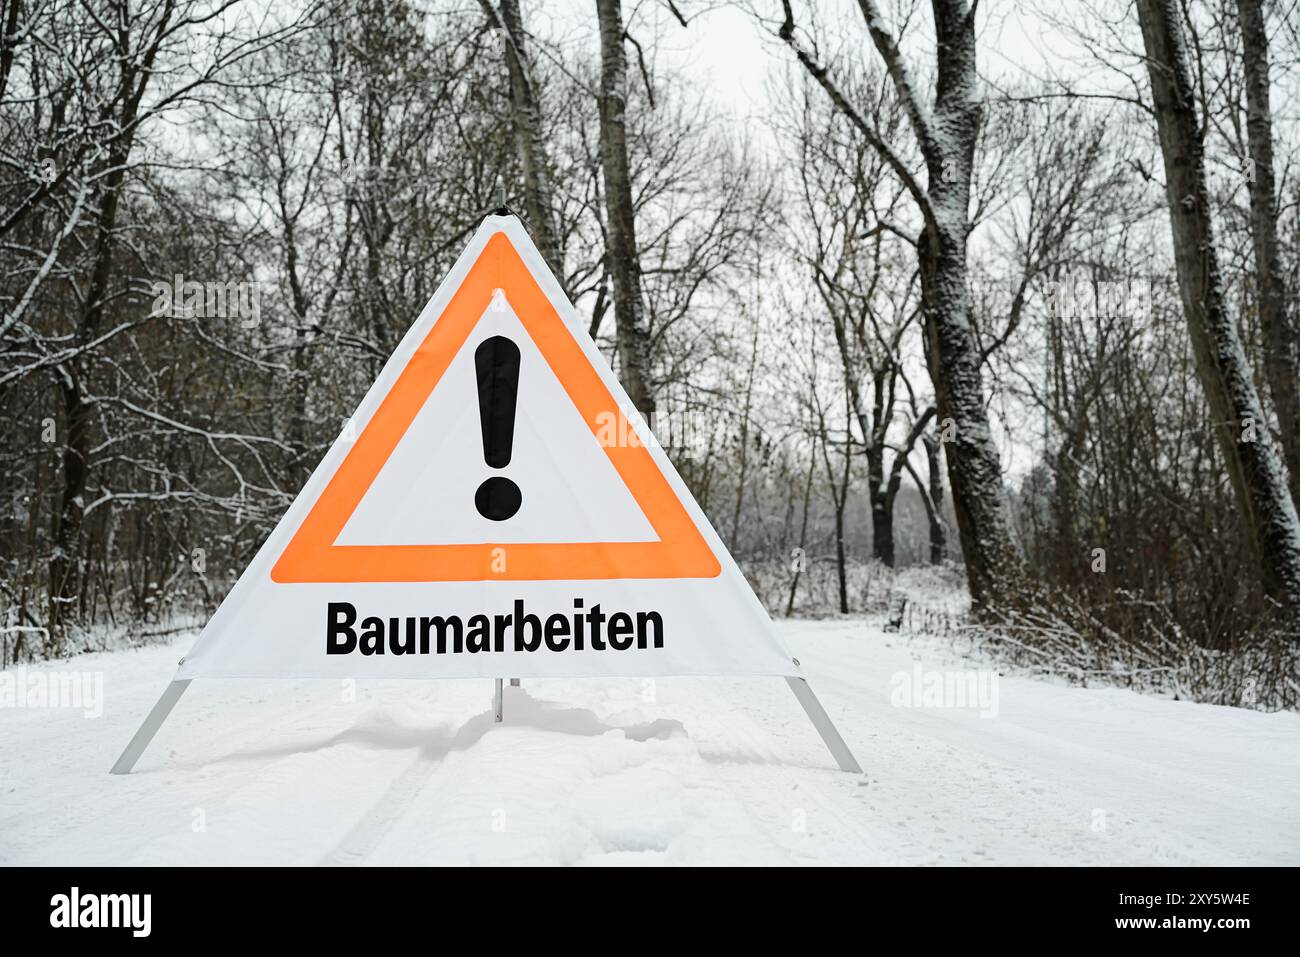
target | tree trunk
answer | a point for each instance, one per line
(621, 249)
(66, 559)
(1242, 432)
(949, 134)
(884, 493)
(65, 564)
(882, 529)
(882, 519)
(938, 531)
(841, 558)
(882, 512)
(1281, 354)
(530, 137)
(993, 566)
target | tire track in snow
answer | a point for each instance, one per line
(379, 821)
(384, 815)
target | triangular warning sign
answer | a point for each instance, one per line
(495, 508)
(492, 512)
(314, 554)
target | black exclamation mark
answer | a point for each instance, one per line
(496, 362)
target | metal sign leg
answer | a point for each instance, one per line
(150, 726)
(822, 722)
(496, 701)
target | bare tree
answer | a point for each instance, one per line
(1281, 350)
(525, 97)
(108, 83)
(946, 136)
(861, 275)
(1253, 465)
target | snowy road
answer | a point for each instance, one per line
(680, 771)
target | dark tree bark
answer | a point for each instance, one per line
(883, 489)
(1281, 350)
(938, 530)
(1240, 428)
(882, 531)
(529, 135)
(882, 506)
(621, 250)
(993, 565)
(841, 499)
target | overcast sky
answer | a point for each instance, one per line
(727, 46)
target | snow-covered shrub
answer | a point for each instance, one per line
(1127, 641)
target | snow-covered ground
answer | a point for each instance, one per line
(675, 771)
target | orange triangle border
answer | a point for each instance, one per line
(312, 556)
